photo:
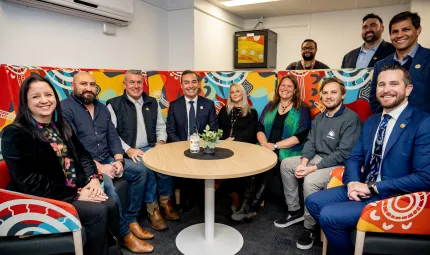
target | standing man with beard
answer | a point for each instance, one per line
(374, 47)
(309, 51)
(91, 121)
(390, 158)
(405, 28)
(331, 139)
(184, 114)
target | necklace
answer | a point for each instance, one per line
(234, 118)
(311, 67)
(284, 108)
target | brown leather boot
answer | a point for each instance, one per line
(157, 221)
(169, 212)
(139, 232)
(136, 245)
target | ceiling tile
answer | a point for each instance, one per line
(333, 5)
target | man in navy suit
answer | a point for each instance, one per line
(186, 113)
(404, 31)
(394, 152)
(374, 47)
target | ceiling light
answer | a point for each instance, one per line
(245, 2)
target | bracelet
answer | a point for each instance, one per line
(120, 159)
(94, 176)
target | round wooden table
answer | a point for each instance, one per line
(210, 237)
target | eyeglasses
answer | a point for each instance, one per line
(308, 48)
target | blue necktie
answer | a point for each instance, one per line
(191, 118)
(375, 161)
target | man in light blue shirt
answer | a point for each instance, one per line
(373, 48)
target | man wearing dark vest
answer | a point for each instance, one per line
(374, 47)
(140, 125)
(405, 28)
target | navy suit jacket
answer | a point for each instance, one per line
(384, 49)
(420, 78)
(406, 161)
(177, 120)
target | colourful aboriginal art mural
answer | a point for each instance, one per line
(165, 86)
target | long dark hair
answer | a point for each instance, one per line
(296, 99)
(24, 118)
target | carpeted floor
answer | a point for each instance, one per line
(260, 235)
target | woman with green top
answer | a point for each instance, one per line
(284, 125)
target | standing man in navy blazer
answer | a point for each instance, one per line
(393, 150)
(373, 48)
(405, 28)
(184, 114)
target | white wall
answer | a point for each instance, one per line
(423, 9)
(335, 32)
(213, 43)
(36, 37)
(181, 39)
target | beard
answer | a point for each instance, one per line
(394, 104)
(334, 106)
(83, 99)
(372, 39)
(308, 58)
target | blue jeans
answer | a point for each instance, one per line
(337, 215)
(136, 176)
(165, 183)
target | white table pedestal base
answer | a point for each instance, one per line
(209, 238)
(227, 240)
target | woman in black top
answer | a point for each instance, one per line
(46, 159)
(238, 122)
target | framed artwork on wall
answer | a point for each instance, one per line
(255, 49)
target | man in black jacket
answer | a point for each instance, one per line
(187, 114)
(374, 47)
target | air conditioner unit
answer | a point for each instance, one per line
(118, 12)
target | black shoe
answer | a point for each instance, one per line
(289, 220)
(306, 239)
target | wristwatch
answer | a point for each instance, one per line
(275, 146)
(372, 188)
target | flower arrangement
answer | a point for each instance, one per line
(210, 138)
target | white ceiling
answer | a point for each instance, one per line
(292, 7)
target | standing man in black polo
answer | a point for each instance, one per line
(309, 51)
(184, 114)
(92, 123)
(140, 125)
(374, 47)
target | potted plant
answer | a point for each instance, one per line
(210, 139)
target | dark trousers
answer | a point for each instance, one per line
(192, 191)
(96, 218)
(337, 216)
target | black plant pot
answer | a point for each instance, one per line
(208, 150)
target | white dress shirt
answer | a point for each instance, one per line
(390, 125)
(188, 110)
(141, 137)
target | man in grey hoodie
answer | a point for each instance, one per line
(332, 137)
